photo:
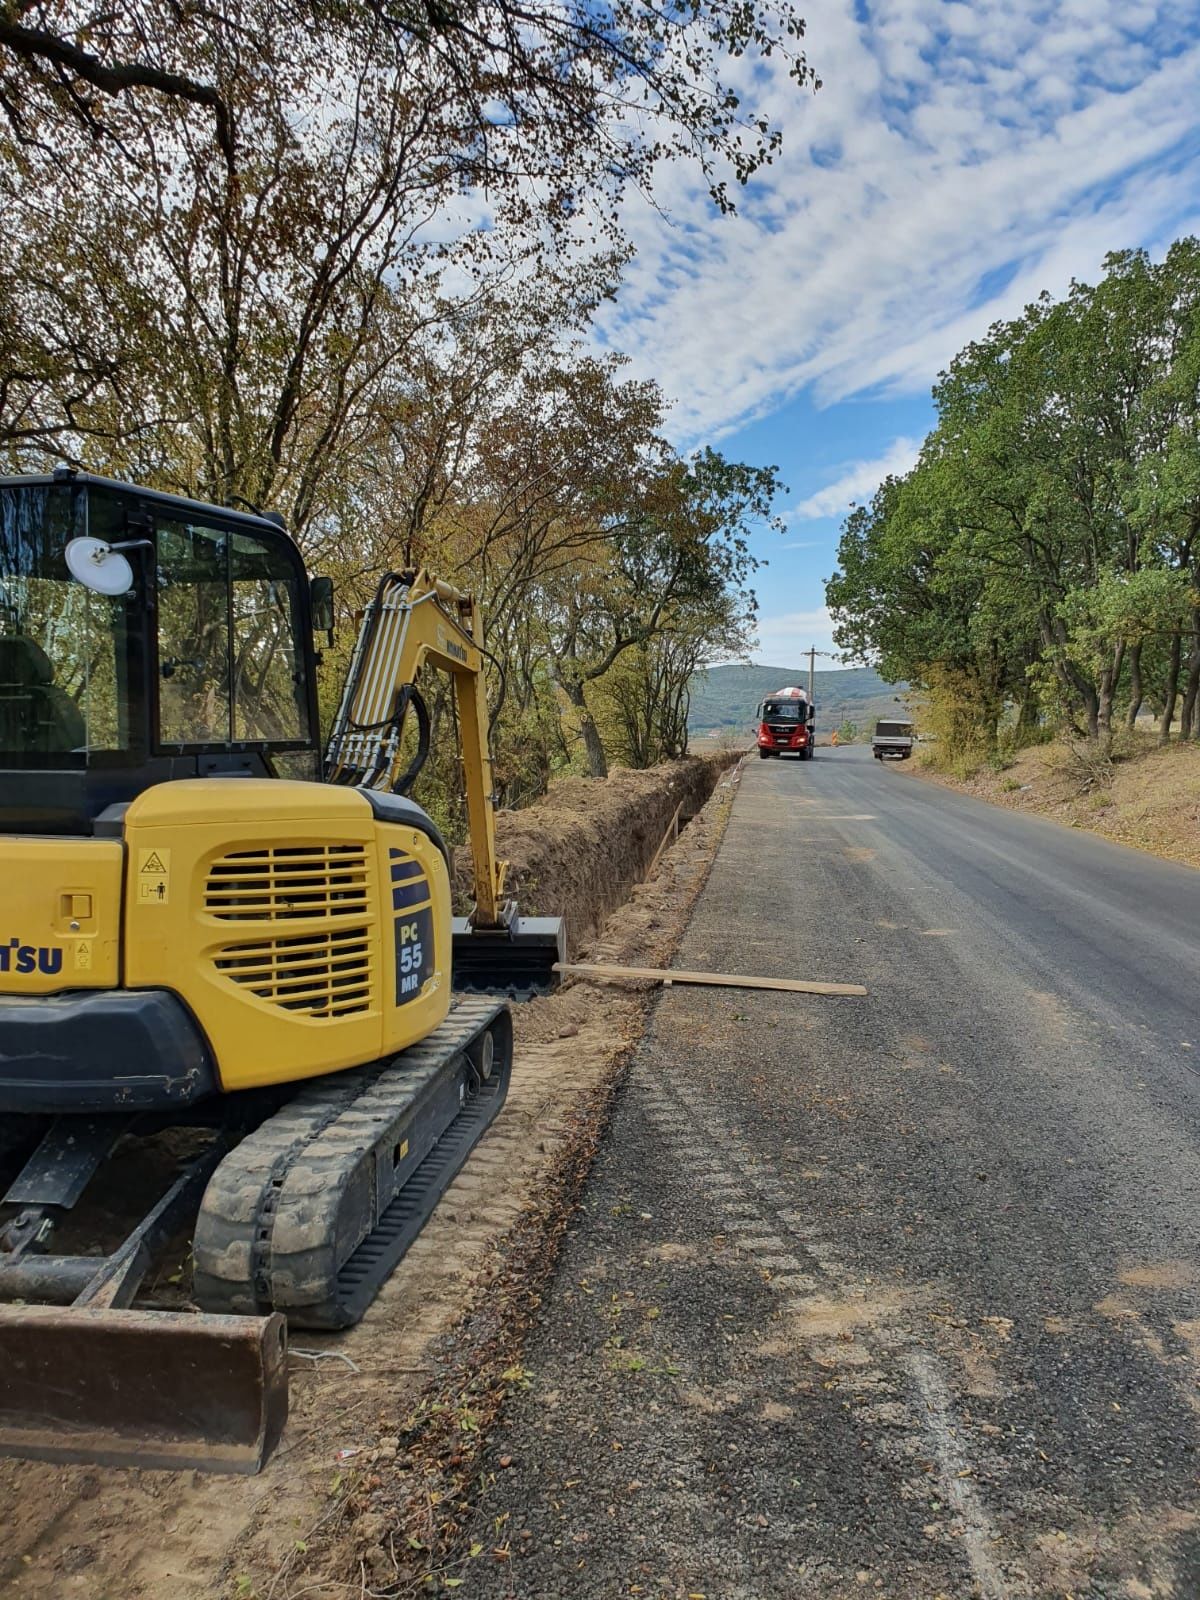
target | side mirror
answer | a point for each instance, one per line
(102, 566)
(320, 594)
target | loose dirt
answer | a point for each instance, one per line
(1150, 799)
(579, 851)
(304, 1523)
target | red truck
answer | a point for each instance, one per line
(785, 725)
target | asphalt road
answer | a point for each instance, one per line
(896, 1295)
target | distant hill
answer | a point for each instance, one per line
(727, 697)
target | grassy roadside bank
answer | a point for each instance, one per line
(1148, 798)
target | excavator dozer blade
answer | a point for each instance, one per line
(517, 961)
(141, 1388)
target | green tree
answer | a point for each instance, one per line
(679, 555)
(1043, 550)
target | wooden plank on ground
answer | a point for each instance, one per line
(719, 980)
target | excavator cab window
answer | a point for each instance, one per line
(64, 649)
(207, 653)
(231, 667)
(193, 636)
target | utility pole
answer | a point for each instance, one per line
(813, 653)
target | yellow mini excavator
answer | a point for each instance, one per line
(228, 949)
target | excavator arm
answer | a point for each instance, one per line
(417, 621)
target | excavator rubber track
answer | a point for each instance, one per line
(310, 1213)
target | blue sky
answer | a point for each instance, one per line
(959, 159)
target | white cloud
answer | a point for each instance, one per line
(785, 639)
(959, 159)
(857, 482)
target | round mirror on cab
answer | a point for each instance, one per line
(98, 566)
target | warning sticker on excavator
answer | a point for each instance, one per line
(83, 955)
(154, 877)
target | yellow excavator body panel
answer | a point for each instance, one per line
(304, 934)
(61, 927)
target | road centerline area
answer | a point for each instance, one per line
(890, 1294)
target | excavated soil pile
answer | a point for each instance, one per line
(577, 852)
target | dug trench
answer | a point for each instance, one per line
(371, 1482)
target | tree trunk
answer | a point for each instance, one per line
(1171, 692)
(1189, 722)
(1109, 679)
(1135, 685)
(1091, 707)
(1054, 636)
(593, 748)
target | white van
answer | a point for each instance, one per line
(895, 740)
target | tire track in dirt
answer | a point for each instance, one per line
(825, 1308)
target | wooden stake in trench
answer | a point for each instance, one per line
(671, 834)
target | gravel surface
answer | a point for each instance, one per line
(896, 1295)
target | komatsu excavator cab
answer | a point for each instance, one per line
(207, 922)
(143, 638)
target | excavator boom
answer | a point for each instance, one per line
(415, 621)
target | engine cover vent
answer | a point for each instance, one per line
(274, 884)
(319, 974)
